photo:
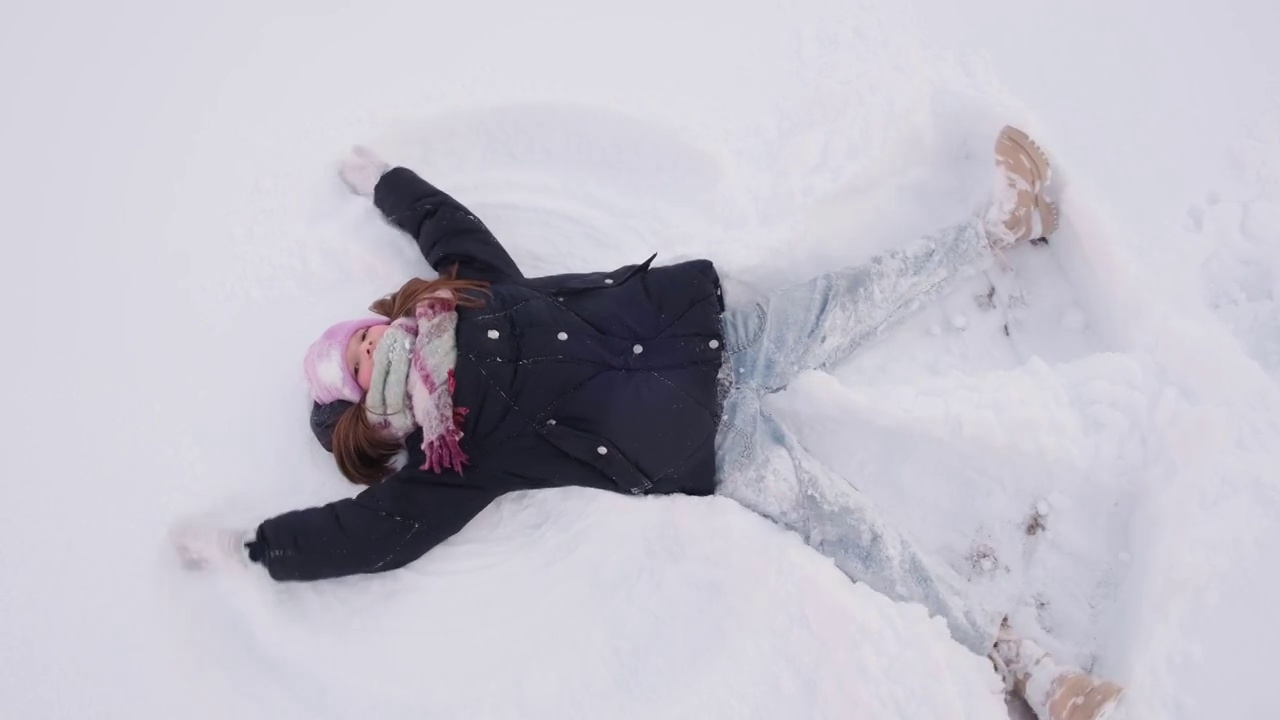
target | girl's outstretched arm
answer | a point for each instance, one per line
(385, 527)
(448, 234)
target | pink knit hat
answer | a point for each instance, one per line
(326, 363)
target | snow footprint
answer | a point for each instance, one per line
(1241, 271)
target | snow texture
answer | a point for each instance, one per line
(1096, 425)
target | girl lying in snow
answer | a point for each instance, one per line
(636, 380)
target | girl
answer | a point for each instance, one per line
(636, 380)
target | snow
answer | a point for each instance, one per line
(1095, 426)
(521, 617)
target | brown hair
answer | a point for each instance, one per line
(365, 454)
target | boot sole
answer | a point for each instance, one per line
(1039, 161)
(1048, 211)
(1108, 708)
(1099, 703)
(1042, 174)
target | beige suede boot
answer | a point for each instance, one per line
(1053, 691)
(1020, 211)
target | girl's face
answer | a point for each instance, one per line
(360, 353)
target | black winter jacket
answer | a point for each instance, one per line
(604, 380)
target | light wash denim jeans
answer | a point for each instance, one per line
(761, 465)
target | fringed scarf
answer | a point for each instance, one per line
(412, 384)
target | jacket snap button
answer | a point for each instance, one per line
(602, 450)
(493, 334)
(714, 344)
(637, 349)
(551, 422)
(563, 335)
(608, 281)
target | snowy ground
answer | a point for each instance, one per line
(169, 185)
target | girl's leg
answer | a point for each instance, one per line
(844, 525)
(817, 324)
(762, 466)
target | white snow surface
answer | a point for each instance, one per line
(178, 236)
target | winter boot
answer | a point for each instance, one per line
(1054, 692)
(1020, 211)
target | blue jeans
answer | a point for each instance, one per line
(761, 465)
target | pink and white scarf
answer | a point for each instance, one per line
(412, 384)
